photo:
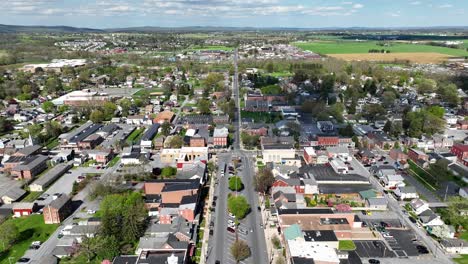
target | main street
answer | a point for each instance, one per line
(219, 246)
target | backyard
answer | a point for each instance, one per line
(31, 228)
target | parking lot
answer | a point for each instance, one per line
(373, 249)
(403, 242)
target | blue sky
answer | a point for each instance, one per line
(254, 13)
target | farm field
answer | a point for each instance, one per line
(415, 57)
(351, 47)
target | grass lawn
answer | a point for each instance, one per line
(32, 228)
(346, 245)
(31, 197)
(464, 235)
(346, 46)
(422, 176)
(113, 161)
(52, 144)
(134, 135)
(281, 74)
(463, 259)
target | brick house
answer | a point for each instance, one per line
(380, 140)
(23, 209)
(256, 130)
(29, 167)
(417, 155)
(220, 137)
(461, 151)
(100, 156)
(90, 142)
(327, 141)
(197, 141)
(310, 157)
(59, 209)
(398, 155)
(164, 116)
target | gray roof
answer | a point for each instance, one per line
(52, 174)
(27, 151)
(31, 163)
(15, 193)
(158, 242)
(221, 132)
(60, 201)
(377, 201)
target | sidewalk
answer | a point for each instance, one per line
(206, 228)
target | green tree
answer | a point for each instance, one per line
(270, 67)
(176, 142)
(388, 98)
(214, 81)
(204, 106)
(97, 116)
(53, 85)
(240, 250)
(449, 94)
(426, 86)
(168, 172)
(235, 183)
(166, 128)
(9, 233)
(436, 111)
(388, 126)
(264, 180)
(109, 109)
(48, 107)
(5, 124)
(238, 206)
(455, 206)
(75, 84)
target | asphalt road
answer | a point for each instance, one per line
(395, 207)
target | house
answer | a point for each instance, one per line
(406, 193)
(100, 156)
(278, 153)
(419, 206)
(455, 246)
(398, 155)
(461, 151)
(429, 218)
(90, 142)
(133, 156)
(325, 126)
(392, 181)
(163, 117)
(57, 210)
(30, 167)
(138, 120)
(12, 195)
(382, 140)
(417, 155)
(326, 141)
(147, 138)
(310, 157)
(256, 129)
(49, 177)
(378, 203)
(23, 209)
(28, 151)
(220, 137)
(197, 141)
(220, 119)
(71, 140)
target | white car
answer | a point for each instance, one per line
(231, 215)
(230, 222)
(91, 212)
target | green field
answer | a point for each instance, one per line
(31, 228)
(463, 259)
(346, 245)
(348, 47)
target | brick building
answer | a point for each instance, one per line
(29, 167)
(59, 209)
(461, 151)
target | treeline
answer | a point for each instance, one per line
(379, 51)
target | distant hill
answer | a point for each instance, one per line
(45, 29)
(151, 29)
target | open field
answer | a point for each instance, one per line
(351, 47)
(415, 57)
(31, 228)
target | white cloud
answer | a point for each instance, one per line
(416, 3)
(445, 6)
(358, 6)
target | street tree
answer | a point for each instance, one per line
(235, 183)
(166, 128)
(176, 142)
(97, 116)
(264, 180)
(48, 107)
(240, 250)
(238, 206)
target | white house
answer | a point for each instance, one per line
(406, 193)
(455, 246)
(419, 206)
(429, 218)
(378, 203)
(393, 181)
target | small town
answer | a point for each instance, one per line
(231, 145)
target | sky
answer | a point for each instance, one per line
(235, 13)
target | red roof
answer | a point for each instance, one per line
(461, 147)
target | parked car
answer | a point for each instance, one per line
(230, 229)
(374, 261)
(23, 260)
